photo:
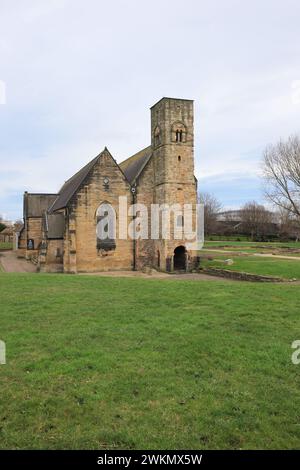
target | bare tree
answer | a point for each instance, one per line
(256, 220)
(289, 226)
(18, 225)
(211, 209)
(281, 170)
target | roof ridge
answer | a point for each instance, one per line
(39, 194)
(68, 190)
(134, 165)
(135, 155)
(82, 168)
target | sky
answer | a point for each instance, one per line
(76, 76)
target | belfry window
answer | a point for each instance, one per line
(179, 135)
(178, 132)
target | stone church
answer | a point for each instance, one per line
(59, 231)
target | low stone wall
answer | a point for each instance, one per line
(240, 276)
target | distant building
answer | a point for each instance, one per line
(232, 215)
(230, 222)
(7, 235)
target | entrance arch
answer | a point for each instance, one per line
(180, 258)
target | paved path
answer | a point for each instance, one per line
(263, 255)
(12, 264)
(158, 275)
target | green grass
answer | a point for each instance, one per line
(6, 246)
(104, 363)
(236, 237)
(265, 266)
(245, 244)
(280, 249)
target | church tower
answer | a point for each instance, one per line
(172, 141)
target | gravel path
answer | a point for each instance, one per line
(247, 253)
(158, 275)
(12, 264)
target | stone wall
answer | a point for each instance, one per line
(168, 178)
(34, 230)
(173, 168)
(81, 252)
(51, 259)
(240, 276)
(145, 249)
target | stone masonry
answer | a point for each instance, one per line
(60, 230)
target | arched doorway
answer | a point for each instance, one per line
(180, 258)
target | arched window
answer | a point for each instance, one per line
(180, 221)
(106, 227)
(178, 132)
(30, 244)
(179, 135)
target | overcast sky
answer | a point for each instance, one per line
(82, 74)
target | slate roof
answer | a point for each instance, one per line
(36, 204)
(133, 166)
(7, 231)
(71, 185)
(55, 225)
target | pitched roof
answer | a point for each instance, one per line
(7, 231)
(71, 185)
(133, 166)
(35, 204)
(55, 225)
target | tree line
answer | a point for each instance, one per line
(281, 217)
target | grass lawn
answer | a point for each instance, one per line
(106, 363)
(6, 246)
(252, 246)
(236, 237)
(286, 269)
(242, 243)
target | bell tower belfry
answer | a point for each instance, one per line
(172, 141)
